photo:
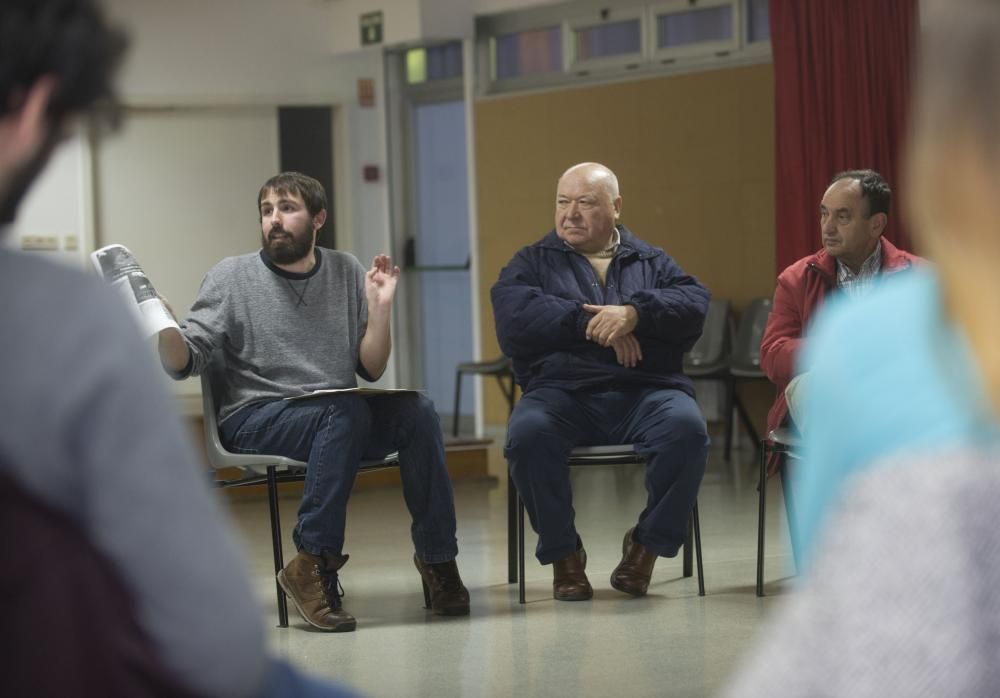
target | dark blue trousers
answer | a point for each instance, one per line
(666, 428)
(332, 434)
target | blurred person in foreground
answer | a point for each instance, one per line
(118, 570)
(901, 594)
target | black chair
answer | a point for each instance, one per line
(785, 443)
(258, 469)
(744, 365)
(709, 357)
(602, 455)
(503, 370)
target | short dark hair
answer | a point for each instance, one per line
(309, 189)
(874, 189)
(69, 40)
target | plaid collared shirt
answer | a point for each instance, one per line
(859, 284)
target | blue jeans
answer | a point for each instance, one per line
(332, 434)
(666, 428)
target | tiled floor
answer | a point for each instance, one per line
(671, 642)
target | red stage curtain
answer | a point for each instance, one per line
(841, 86)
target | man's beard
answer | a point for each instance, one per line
(22, 178)
(288, 250)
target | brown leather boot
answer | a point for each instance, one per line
(444, 592)
(569, 581)
(633, 573)
(313, 585)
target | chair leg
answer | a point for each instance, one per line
(688, 545)
(696, 524)
(730, 398)
(761, 510)
(279, 563)
(512, 537)
(458, 400)
(520, 550)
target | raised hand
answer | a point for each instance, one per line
(610, 322)
(380, 282)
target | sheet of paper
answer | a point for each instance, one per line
(359, 391)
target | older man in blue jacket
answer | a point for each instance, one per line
(597, 322)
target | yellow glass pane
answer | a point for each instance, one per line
(416, 65)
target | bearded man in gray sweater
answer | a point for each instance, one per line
(294, 318)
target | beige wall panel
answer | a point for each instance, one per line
(694, 156)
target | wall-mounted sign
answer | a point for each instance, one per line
(371, 28)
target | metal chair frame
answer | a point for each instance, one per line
(591, 456)
(501, 369)
(785, 442)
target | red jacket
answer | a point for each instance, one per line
(800, 291)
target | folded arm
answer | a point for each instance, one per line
(673, 310)
(530, 321)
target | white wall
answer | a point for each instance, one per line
(230, 50)
(205, 78)
(193, 54)
(59, 204)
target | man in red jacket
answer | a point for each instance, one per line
(853, 215)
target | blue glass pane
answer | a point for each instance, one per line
(444, 62)
(694, 26)
(442, 186)
(612, 39)
(529, 53)
(758, 23)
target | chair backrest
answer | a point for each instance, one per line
(746, 346)
(212, 386)
(712, 348)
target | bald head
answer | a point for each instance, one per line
(587, 206)
(596, 173)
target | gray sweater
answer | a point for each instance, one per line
(281, 334)
(904, 596)
(87, 428)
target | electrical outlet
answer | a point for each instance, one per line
(39, 242)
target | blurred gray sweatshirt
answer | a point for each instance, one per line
(903, 598)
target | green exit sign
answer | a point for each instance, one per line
(371, 28)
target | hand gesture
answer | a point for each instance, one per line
(380, 282)
(610, 322)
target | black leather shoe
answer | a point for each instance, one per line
(569, 580)
(444, 592)
(633, 573)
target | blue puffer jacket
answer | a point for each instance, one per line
(537, 304)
